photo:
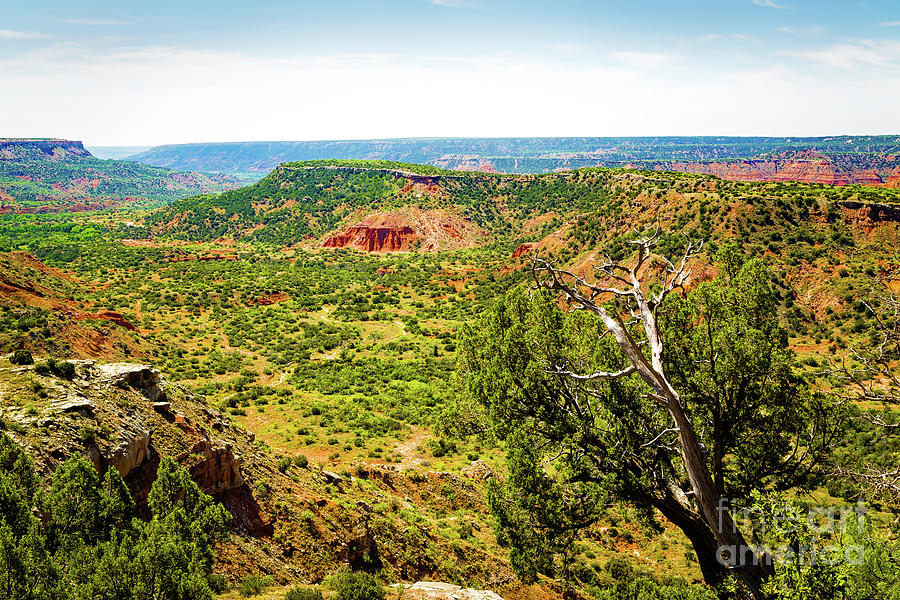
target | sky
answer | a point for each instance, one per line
(166, 71)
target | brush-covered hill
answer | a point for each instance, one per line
(54, 175)
(79, 383)
(811, 234)
(293, 521)
(48, 311)
(317, 200)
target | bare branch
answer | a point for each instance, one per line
(595, 375)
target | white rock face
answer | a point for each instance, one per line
(142, 378)
(438, 590)
(130, 449)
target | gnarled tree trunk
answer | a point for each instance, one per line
(710, 513)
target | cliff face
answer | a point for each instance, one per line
(868, 216)
(812, 169)
(376, 233)
(13, 148)
(407, 230)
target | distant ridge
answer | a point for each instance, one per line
(42, 175)
(869, 160)
(32, 147)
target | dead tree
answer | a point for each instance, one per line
(870, 376)
(622, 298)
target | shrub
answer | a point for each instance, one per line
(22, 357)
(87, 434)
(355, 586)
(254, 585)
(62, 368)
(218, 584)
(284, 464)
(619, 569)
(301, 460)
(298, 593)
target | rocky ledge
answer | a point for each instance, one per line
(127, 416)
(438, 590)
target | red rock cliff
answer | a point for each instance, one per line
(408, 229)
(376, 233)
(806, 168)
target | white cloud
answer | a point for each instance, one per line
(810, 30)
(8, 34)
(100, 22)
(712, 37)
(890, 24)
(646, 60)
(567, 47)
(767, 3)
(449, 3)
(863, 53)
(155, 95)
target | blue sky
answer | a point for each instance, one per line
(167, 72)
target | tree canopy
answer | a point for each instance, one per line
(80, 539)
(583, 431)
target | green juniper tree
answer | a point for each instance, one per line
(672, 401)
(79, 539)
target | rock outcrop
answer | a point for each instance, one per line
(406, 230)
(522, 250)
(867, 216)
(142, 378)
(110, 316)
(376, 233)
(130, 448)
(438, 590)
(478, 469)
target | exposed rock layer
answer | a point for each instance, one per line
(813, 169)
(407, 230)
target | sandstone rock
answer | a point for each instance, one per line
(438, 590)
(406, 230)
(110, 316)
(376, 233)
(867, 216)
(72, 405)
(478, 469)
(130, 449)
(215, 469)
(332, 477)
(437, 586)
(142, 378)
(522, 250)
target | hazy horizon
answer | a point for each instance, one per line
(169, 73)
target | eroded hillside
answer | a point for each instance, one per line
(50, 176)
